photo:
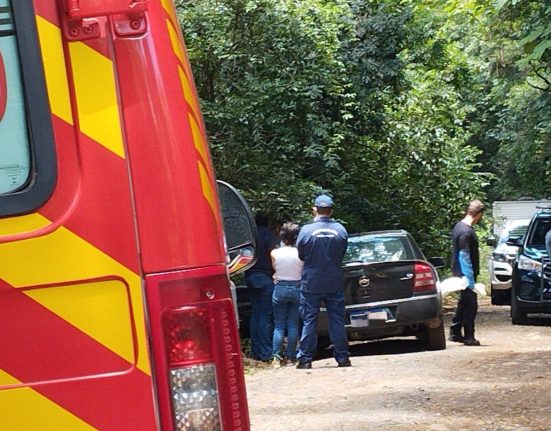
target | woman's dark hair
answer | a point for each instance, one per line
(289, 233)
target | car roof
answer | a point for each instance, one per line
(397, 232)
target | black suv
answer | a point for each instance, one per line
(531, 283)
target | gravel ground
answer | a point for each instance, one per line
(395, 385)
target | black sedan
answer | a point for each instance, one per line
(391, 289)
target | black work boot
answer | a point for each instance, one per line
(471, 342)
(345, 363)
(456, 338)
(304, 365)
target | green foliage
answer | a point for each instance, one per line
(402, 110)
(272, 88)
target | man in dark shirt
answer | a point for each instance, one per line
(260, 286)
(465, 264)
(321, 245)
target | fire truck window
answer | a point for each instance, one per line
(15, 156)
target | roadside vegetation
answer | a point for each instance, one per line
(403, 110)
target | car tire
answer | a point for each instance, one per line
(436, 337)
(518, 317)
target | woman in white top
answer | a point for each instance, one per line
(286, 296)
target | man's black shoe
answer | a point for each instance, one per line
(456, 338)
(343, 364)
(471, 342)
(304, 365)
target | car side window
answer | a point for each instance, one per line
(15, 157)
(28, 166)
(539, 232)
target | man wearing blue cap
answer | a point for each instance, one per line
(321, 246)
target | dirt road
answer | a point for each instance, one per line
(394, 385)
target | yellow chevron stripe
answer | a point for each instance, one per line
(208, 191)
(198, 139)
(22, 224)
(189, 95)
(175, 41)
(31, 411)
(168, 7)
(62, 257)
(55, 69)
(96, 94)
(100, 309)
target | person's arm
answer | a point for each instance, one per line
(464, 256)
(273, 264)
(300, 244)
(467, 267)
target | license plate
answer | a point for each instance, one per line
(358, 320)
(379, 316)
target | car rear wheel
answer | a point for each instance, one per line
(518, 316)
(436, 337)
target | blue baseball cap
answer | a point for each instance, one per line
(323, 201)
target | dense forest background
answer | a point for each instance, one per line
(402, 110)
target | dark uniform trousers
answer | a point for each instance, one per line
(465, 315)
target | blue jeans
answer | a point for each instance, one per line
(285, 301)
(310, 304)
(260, 286)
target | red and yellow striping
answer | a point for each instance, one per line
(72, 294)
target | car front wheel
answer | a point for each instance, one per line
(518, 316)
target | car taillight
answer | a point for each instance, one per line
(197, 353)
(423, 281)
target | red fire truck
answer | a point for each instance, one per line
(115, 302)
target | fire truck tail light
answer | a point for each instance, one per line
(192, 371)
(195, 398)
(187, 336)
(198, 368)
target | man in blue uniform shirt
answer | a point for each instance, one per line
(321, 246)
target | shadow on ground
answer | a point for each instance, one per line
(394, 346)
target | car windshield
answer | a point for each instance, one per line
(540, 229)
(513, 232)
(377, 248)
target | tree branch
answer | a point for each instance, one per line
(540, 75)
(545, 90)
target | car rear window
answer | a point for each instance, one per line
(373, 248)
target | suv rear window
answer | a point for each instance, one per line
(28, 169)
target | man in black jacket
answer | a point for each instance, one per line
(466, 264)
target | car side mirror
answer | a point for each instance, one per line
(516, 242)
(239, 228)
(437, 262)
(491, 241)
